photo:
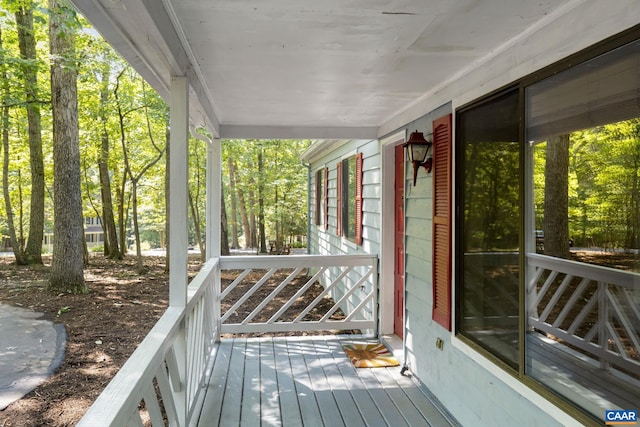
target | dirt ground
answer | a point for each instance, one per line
(106, 325)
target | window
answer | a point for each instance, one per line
(583, 150)
(321, 196)
(547, 277)
(489, 243)
(349, 198)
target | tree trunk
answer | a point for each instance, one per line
(27, 43)
(556, 197)
(111, 247)
(234, 205)
(224, 232)
(252, 220)
(137, 177)
(6, 94)
(263, 239)
(246, 228)
(122, 235)
(67, 264)
(196, 225)
(136, 228)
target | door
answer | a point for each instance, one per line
(398, 270)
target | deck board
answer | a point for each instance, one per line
(232, 397)
(308, 381)
(251, 389)
(290, 414)
(349, 411)
(270, 401)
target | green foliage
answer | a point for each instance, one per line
(284, 183)
(604, 185)
(134, 119)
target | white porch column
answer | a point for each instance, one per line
(214, 203)
(214, 187)
(178, 191)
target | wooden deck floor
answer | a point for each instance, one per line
(309, 381)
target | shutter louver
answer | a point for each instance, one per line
(441, 273)
(358, 213)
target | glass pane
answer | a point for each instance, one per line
(491, 226)
(319, 197)
(351, 218)
(583, 293)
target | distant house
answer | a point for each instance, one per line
(93, 233)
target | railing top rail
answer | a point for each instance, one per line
(293, 261)
(197, 285)
(626, 279)
(127, 386)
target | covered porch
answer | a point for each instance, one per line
(336, 71)
(184, 374)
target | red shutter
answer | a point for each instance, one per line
(339, 199)
(358, 232)
(318, 205)
(441, 273)
(326, 198)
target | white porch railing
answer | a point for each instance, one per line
(167, 371)
(590, 307)
(163, 380)
(352, 281)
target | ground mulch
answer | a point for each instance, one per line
(103, 328)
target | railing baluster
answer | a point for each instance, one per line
(153, 407)
(248, 294)
(571, 302)
(603, 321)
(345, 297)
(272, 295)
(164, 385)
(235, 283)
(302, 290)
(622, 318)
(556, 297)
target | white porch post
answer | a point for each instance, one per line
(178, 191)
(178, 226)
(214, 205)
(214, 187)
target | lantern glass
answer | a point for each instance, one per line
(418, 152)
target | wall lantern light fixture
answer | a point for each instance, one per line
(419, 153)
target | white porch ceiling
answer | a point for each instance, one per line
(309, 69)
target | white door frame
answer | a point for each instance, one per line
(387, 230)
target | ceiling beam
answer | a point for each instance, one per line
(297, 132)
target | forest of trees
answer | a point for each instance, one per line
(586, 189)
(603, 183)
(84, 136)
